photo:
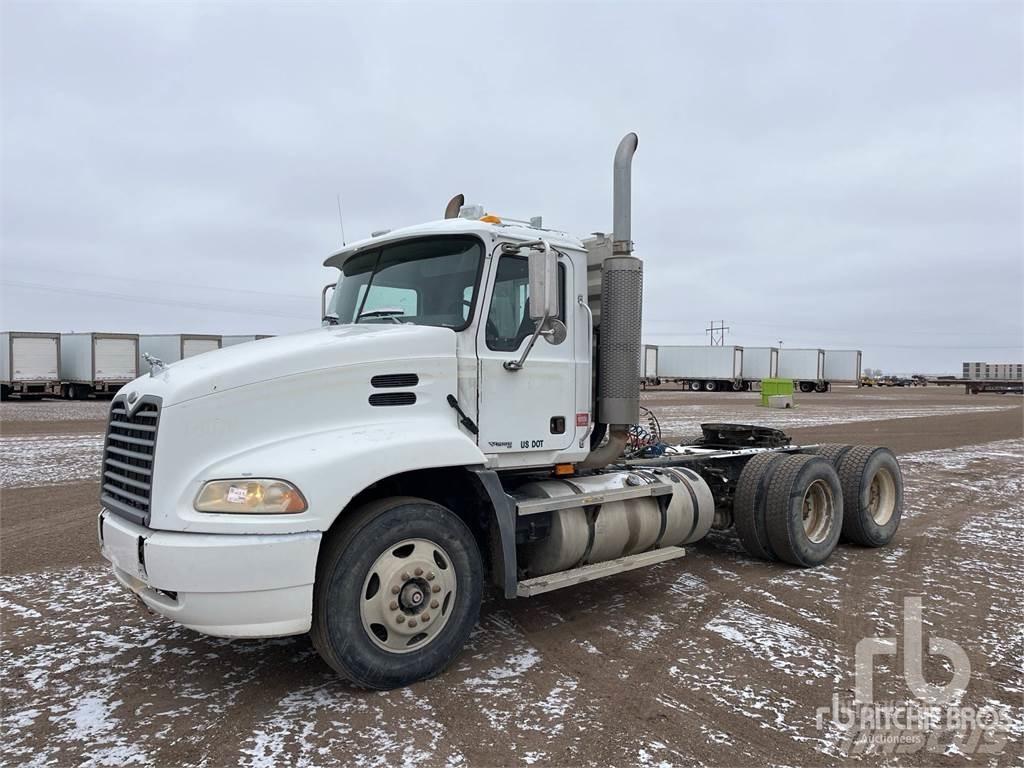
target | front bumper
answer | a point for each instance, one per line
(228, 585)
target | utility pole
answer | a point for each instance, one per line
(717, 333)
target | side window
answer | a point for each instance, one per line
(508, 321)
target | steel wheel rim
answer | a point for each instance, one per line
(882, 497)
(818, 509)
(408, 595)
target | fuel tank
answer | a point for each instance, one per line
(585, 535)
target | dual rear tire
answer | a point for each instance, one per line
(795, 507)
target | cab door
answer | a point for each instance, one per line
(527, 415)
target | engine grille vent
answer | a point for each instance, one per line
(395, 380)
(393, 398)
(128, 460)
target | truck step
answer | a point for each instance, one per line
(540, 584)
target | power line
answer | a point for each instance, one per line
(155, 281)
(136, 299)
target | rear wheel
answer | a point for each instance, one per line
(695, 386)
(804, 515)
(833, 452)
(806, 386)
(5, 392)
(748, 508)
(872, 495)
(397, 593)
(710, 386)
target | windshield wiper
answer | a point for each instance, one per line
(390, 313)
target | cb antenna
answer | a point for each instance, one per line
(341, 221)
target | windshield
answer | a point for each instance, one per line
(431, 281)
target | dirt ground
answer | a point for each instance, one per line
(713, 659)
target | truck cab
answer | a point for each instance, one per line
(523, 381)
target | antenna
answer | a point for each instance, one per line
(341, 221)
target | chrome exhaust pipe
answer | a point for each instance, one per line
(618, 379)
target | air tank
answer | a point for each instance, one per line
(593, 534)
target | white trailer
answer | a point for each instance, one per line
(760, 363)
(456, 432)
(97, 362)
(806, 367)
(702, 367)
(842, 365)
(649, 374)
(29, 363)
(230, 341)
(171, 347)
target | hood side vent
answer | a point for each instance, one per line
(393, 398)
(388, 380)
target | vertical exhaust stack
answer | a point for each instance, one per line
(622, 291)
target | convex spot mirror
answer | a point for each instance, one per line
(554, 331)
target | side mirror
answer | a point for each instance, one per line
(543, 270)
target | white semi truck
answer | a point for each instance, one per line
(461, 420)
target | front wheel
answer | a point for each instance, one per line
(397, 593)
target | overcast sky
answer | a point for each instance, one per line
(825, 174)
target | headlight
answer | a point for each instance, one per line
(250, 497)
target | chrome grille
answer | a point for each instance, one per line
(128, 459)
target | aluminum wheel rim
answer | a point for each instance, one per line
(408, 595)
(882, 497)
(818, 511)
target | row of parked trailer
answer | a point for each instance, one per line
(714, 368)
(76, 365)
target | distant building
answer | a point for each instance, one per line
(996, 371)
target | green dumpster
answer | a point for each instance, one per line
(771, 387)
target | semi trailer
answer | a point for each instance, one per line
(707, 368)
(461, 421)
(29, 364)
(806, 367)
(97, 363)
(172, 347)
(842, 366)
(760, 363)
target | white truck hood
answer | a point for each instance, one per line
(292, 355)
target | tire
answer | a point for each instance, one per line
(5, 392)
(872, 495)
(710, 386)
(695, 386)
(748, 506)
(821, 387)
(806, 386)
(739, 386)
(372, 547)
(833, 452)
(798, 481)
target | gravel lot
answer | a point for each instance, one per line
(713, 659)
